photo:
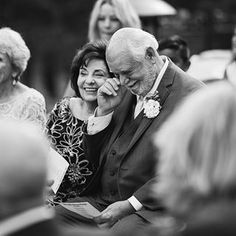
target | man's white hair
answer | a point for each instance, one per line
(132, 42)
(13, 44)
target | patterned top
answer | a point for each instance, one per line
(65, 134)
(29, 105)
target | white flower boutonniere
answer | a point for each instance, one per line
(152, 106)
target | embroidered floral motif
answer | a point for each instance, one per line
(65, 133)
(152, 106)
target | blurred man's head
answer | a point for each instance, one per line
(177, 50)
(132, 56)
(23, 169)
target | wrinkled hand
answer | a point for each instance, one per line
(113, 213)
(109, 96)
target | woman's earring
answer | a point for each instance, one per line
(14, 82)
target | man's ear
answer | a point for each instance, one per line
(150, 55)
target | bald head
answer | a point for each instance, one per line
(130, 42)
(23, 158)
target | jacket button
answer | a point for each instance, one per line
(113, 152)
(112, 172)
(113, 192)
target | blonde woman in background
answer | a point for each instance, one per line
(16, 99)
(106, 18)
(197, 166)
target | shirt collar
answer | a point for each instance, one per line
(160, 75)
(158, 79)
(25, 219)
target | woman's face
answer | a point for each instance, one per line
(6, 68)
(108, 23)
(91, 78)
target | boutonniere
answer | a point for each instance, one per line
(152, 105)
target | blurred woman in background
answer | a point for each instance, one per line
(89, 71)
(197, 166)
(106, 18)
(17, 100)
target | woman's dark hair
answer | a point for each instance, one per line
(92, 50)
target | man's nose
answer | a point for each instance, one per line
(123, 79)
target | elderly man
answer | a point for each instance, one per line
(131, 107)
(23, 172)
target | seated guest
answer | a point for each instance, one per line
(17, 100)
(89, 71)
(177, 50)
(23, 174)
(117, 138)
(197, 167)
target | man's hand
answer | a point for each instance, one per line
(109, 96)
(113, 213)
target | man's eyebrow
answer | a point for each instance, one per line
(126, 71)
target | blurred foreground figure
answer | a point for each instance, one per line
(177, 50)
(23, 157)
(197, 168)
(23, 175)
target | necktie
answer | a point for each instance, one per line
(138, 107)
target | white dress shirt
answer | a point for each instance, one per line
(97, 124)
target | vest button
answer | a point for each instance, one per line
(112, 172)
(113, 152)
(113, 192)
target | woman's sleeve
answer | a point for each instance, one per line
(35, 110)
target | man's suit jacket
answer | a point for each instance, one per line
(132, 163)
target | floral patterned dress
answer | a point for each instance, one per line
(65, 133)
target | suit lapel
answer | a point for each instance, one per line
(164, 91)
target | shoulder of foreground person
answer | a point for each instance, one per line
(87, 231)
